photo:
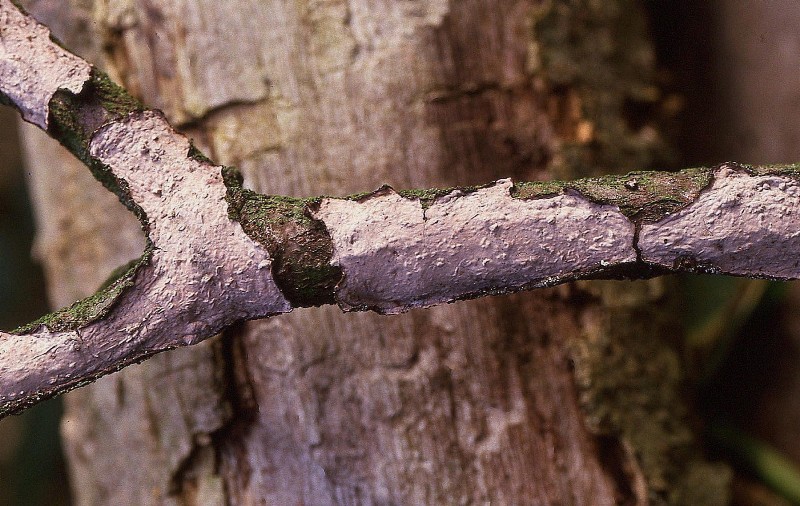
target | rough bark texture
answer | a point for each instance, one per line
(565, 396)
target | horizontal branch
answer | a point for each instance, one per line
(219, 253)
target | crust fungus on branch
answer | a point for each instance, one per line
(218, 253)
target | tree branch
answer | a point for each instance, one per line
(218, 253)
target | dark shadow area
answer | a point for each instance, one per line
(683, 34)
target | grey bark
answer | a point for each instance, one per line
(521, 399)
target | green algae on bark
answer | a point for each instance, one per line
(643, 196)
(93, 307)
(74, 118)
(299, 246)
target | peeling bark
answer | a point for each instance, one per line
(387, 250)
(392, 252)
(395, 255)
(34, 67)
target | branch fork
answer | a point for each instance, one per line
(218, 253)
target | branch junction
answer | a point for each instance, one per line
(218, 253)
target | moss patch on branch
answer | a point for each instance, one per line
(300, 246)
(647, 196)
(94, 307)
(74, 118)
(643, 196)
(789, 170)
(427, 197)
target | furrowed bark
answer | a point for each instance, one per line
(218, 253)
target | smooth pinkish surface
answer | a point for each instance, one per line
(745, 225)
(395, 255)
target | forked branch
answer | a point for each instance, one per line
(218, 253)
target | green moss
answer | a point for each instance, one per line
(358, 197)
(75, 117)
(273, 210)
(791, 170)
(300, 247)
(645, 196)
(537, 189)
(197, 155)
(426, 196)
(121, 272)
(429, 195)
(113, 98)
(93, 307)
(231, 176)
(263, 211)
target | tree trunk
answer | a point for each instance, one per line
(562, 396)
